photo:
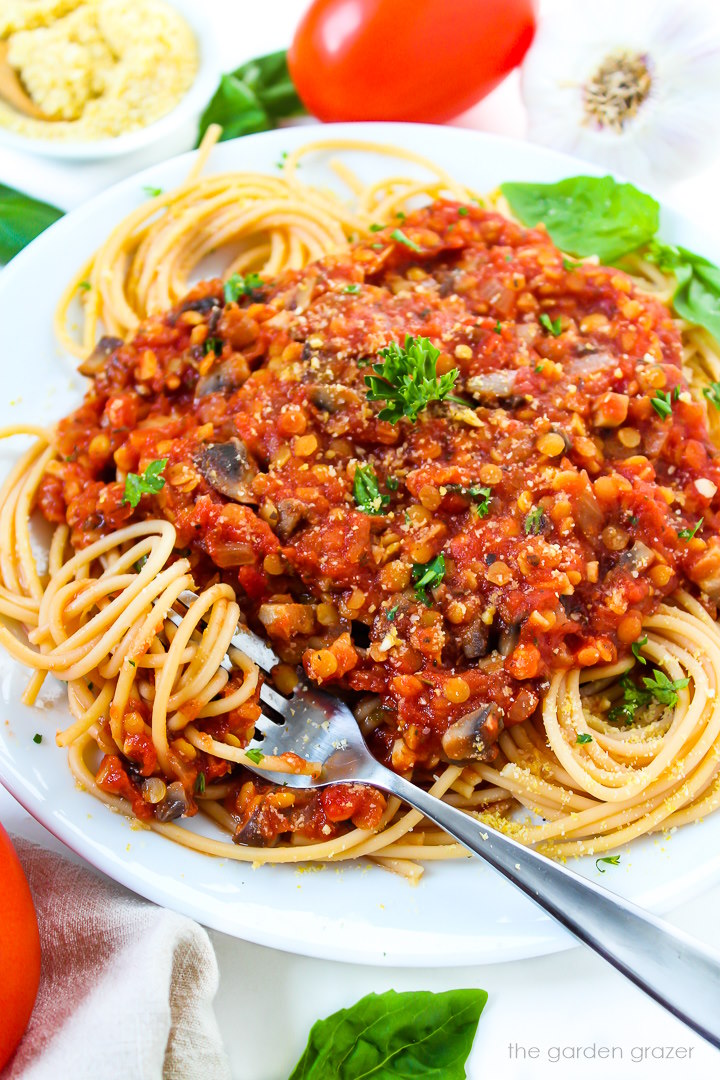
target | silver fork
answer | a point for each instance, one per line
(677, 971)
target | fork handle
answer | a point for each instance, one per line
(673, 968)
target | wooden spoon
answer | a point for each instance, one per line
(12, 90)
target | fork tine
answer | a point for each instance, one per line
(243, 639)
(274, 700)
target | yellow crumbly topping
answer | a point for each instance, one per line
(96, 68)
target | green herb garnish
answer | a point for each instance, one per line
(22, 218)
(480, 496)
(584, 738)
(663, 688)
(637, 646)
(697, 286)
(534, 521)
(140, 563)
(662, 403)
(407, 379)
(84, 285)
(463, 211)
(428, 576)
(392, 483)
(212, 344)
(255, 755)
(611, 860)
(367, 493)
(351, 289)
(401, 238)
(37, 738)
(200, 783)
(588, 215)
(712, 393)
(498, 327)
(146, 483)
(687, 534)
(238, 285)
(152, 192)
(552, 326)
(376, 227)
(634, 699)
(391, 613)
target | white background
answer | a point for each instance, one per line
(268, 1000)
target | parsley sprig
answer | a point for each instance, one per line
(479, 496)
(688, 534)
(367, 492)
(243, 285)
(147, 483)
(428, 576)
(408, 380)
(658, 686)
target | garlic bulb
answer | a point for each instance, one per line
(633, 85)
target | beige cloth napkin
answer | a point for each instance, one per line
(126, 988)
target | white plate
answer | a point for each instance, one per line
(188, 109)
(461, 912)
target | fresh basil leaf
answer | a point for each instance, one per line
(697, 296)
(252, 98)
(587, 215)
(22, 218)
(391, 1035)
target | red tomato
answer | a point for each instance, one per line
(19, 950)
(406, 59)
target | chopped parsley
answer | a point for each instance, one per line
(84, 285)
(238, 285)
(662, 403)
(367, 493)
(539, 368)
(428, 576)
(391, 613)
(611, 860)
(637, 646)
(131, 663)
(212, 344)
(687, 534)
(400, 215)
(658, 686)
(498, 327)
(664, 689)
(392, 483)
(634, 698)
(375, 227)
(152, 192)
(200, 783)
(534, 521)
(401, 238)
(377, 247)
(352, 289)
(407, 379)
(712, 393)
(146, 483)
(463, 211)
(633, 519)
(584, 738)
(569, 265)
(255, 755)
(552, 326)
(140, 563)
(480, 496)
(37, 738)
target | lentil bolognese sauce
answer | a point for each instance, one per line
(459, 480)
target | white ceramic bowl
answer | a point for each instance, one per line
(189, 108)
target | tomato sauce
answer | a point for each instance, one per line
(562, 496)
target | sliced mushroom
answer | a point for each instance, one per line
(225, 377)
(474, 639)
(175, 803)
(333, 398)
(251, 833)
(493, 387)
(205, 304)
(637, 558)
(291, 513)
(228, 468)
(470, 737)
(100, 355)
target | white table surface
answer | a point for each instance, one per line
(544, 1016)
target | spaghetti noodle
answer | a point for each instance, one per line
(590, 560)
